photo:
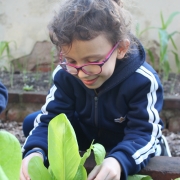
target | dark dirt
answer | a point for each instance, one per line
(41, 82)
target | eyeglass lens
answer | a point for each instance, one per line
(88, 69)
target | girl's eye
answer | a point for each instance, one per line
(70, 61)
(96, 61)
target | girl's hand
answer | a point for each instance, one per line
(24, 166)
(110, 169)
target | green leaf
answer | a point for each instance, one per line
(171, 17)
(99, 153)
(37, 170)
(81, 173)
(162, 20)
(139, 177)
(63, 149)
(10, 155)
(5, 47)
(166, 69)
(151, 56)
(51, 173)
(177, 60)
(2, 174)
(86, 155)
(171, 39)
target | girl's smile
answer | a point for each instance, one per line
(90, 82)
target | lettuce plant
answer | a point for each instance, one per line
(10, 156)
(63, 154)
(64, 158)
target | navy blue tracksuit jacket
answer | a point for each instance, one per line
(123, 116)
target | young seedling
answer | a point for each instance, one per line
(27, 88)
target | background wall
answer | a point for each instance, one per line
(25, 21)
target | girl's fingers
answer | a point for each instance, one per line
(94, 173)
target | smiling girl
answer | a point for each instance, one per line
(104, 86)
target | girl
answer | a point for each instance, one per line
(105, 88)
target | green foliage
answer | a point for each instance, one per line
(139, 177)
(64, 165)
(5, 55)
(40, 172)
(10, 156)
(164, 41)
(70, 167)
(63, 153)
(27, 88)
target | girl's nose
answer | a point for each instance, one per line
(82, 75)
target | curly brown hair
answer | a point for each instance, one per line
(86, 19)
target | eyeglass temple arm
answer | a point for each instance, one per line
(110, 53)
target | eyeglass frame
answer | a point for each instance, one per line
(100, 64)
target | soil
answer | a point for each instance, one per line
(41, 82)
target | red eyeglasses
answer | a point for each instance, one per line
(89, 68)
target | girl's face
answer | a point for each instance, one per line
(93, 51)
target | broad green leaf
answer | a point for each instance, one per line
(99, 153)
(81, 173)
(37, 170)
(10, 155)
(63, 149)
(51, 173)
(2, 174)
(139, 177)
(177, 179)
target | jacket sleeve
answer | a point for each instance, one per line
(3, 97)
(57, 102)
(143, 131)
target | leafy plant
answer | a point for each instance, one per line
(5, 55)
(27, 87)
(63, 153)
(64, 158)
(165, 39)
(10, 156)
(139, 177)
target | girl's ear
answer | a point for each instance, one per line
(123, 48)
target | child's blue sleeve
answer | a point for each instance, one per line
(3, 97)
(143, 131)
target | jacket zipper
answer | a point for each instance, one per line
(96, 111)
